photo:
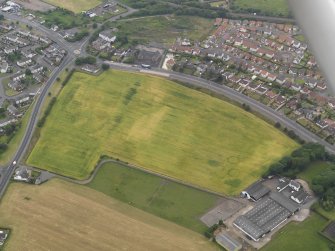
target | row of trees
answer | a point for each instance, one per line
(291, 165)
(85, 60)
(324, 186)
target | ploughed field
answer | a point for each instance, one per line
(75, 6)
(159, 125)
(65, 216)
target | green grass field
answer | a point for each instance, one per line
(300, 236)
(166, 29)
(75, 6)
(155, 195)
(263, 7)
(159, 125)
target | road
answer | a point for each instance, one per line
(7, 172)
(235, 96)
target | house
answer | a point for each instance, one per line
(331, 104)
(22, 101)
(280, 100)
(24, 63)
(4, 67)
(106, 35)
(311, 83)
(16, 86)
(294, 185)
(305, 90)
(261, 90)
(18, 76)
(28, 53)
(281, 79)
(322, 124)
(283, 183)
(22, 174)
(13, 111)
(270, 94)
(299, 196)
(243, 83)
(264, 74)
(90, 68)
(271, 77)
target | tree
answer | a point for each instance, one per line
(95, 25)
(277, 125)
(28, 72)
(3, 147)
(104, 67)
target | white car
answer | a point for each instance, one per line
(14, 162)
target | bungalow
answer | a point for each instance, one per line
(22, 101)
(305, 90)
(264, 74)
(253, 86)
(280, 100)
(261, 90)
(281, 79)
(244, 83)
(271, 77)
(107, 36)
(271, 95)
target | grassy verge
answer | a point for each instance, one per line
(16, 140)
(155, 195)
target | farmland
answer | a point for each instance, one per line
(158, 125)
(165, 29)
(79, 218)
(75, 6)
(263, 7)
(300, 236)
(155, 195)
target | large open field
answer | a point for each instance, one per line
(64, 216)
(159, 125)
(75, 6)
(165, 29)
(155, 195)
(263, 7)
(300, 236)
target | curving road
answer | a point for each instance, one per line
(236, 96)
